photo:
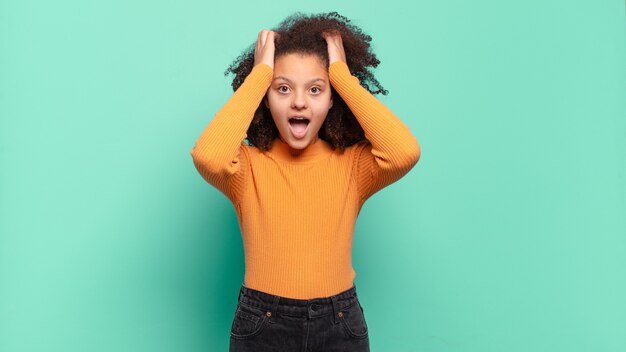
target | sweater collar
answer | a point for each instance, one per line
(314, 152)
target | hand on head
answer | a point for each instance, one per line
(265, 47)
(264, 50)
(335, 46)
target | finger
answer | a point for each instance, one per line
(264, 38)
(329, 39)
(331, 35)
(338, 39)
(261, 40)
(340, 43)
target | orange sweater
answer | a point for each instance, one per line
(297, 214)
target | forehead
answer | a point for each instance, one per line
(300, 67)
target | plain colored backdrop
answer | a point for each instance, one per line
(508, 235)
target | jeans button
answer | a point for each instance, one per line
(313, 307)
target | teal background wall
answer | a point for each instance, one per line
(509, 234)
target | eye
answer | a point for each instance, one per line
(281, 90)
(316, 90)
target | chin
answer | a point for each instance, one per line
(298, 143)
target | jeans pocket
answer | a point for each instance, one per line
(353, 320)
(248, 321)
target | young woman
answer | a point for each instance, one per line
(319, 145)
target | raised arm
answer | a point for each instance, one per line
(220, 154)
(392, 150)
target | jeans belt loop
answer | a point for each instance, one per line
(275, 304)
(335, 309)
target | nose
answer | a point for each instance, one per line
(299, 100)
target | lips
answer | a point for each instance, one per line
(300, 119)
(299, 125)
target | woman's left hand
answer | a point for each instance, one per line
(335, 47)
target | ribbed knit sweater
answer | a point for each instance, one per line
(297, 214)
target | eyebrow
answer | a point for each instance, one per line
(290, 81)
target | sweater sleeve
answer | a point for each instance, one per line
(391, 150)
(220, 155)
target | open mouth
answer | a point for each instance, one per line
(299, 125)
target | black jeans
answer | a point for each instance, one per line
(265, 322)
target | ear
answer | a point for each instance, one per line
(266, 102)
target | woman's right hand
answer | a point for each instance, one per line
(264, 50)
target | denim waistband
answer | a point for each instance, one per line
(315, 307)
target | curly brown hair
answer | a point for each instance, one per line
(302, 34)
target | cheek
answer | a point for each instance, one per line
(277, 110)
(324, 105)
(275, 102)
